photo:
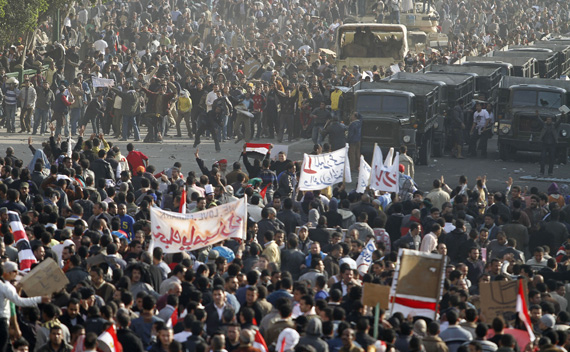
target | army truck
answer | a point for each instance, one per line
(505, 69)
(562, 50)
(487, 78)
(369, 44)
(524, 105)
(455, 86)
(522, 66)
(546, 62)
(396, 114)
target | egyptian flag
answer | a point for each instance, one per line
(25, 255)
(257, 149)
(522, 310)
(259, 341)
(109, 338)
(264, 191)
(182, 208)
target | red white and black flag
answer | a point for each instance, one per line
(25, 255)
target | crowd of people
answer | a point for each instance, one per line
(244, 70)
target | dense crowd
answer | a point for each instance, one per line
(243, 70)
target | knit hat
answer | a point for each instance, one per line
(548, 320)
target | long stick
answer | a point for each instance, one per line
(376, 320)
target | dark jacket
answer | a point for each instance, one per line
(102, 169)
(290, 220)
(213, 321)
(291, 261)
(321, 235)
(336, 132)
(313, 336)
(129, 340)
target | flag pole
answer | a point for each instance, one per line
(376, 320)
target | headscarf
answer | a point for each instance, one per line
(314, 217)
(39, 154)
(553, 188)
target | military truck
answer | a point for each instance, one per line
(522, 66)
(546, 62)
(562, 50)
(369, 44)
(487, 78)
(524, 105)
(396, 114)
(456, 86)
(505, 69)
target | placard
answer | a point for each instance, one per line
(45, 279)
(373, 294)
(499, 298)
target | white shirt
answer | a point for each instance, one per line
(8, 293)
(182, 336)
(480, 119)
(100, 45)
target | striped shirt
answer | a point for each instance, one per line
(11, 97)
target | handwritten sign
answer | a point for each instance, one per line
(499, 299)
(175, 232)
(373, 294)
(324, 170)
(363, 175)
(45, 279)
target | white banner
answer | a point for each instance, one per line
(324, 170)
(175, 232)
(363, 175)
(103, 82)
(365, 258)
(385, 175)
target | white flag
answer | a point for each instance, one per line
(363, 175)
(324, 170)
(385, 176)
(365, 258)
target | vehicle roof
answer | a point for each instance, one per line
(416, 89)
(374, 26)
(514, 60)
(449, 79)
(479, 70)
(494, 64)
(384, 90)
(535, 55)
(535, 82)
(530, 49)
(554, 46)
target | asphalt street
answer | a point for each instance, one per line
(164, 155)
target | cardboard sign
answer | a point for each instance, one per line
(45, 279)
(499, 298)
(373, 294)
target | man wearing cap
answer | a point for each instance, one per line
(27, 99)
(9, 293)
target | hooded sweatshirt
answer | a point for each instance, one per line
(313, 336)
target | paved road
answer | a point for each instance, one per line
(180, 149)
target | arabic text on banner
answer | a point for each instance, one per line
(365, 258)
(363, 175)
(175, 232)
(324, 170)
(102, 82)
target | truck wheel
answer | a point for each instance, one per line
(504, 151)
(425, 151)
(438, 146)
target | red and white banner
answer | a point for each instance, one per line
(25, 255)
(182, 208)
(260, 148)
(385, 174)
(417, 269)
(324, 170)
(522, 310)
(176, 232)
